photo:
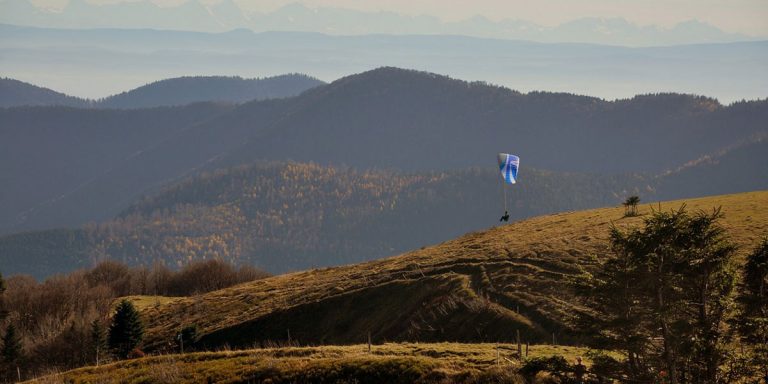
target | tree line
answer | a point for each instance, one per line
(66, 321)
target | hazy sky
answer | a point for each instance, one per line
(748, 17)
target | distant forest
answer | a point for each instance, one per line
(168, 92)
(293, 216)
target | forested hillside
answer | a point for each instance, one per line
(739, 167)
(14, 93)
(385, 118)
(169, 92)
(391, 117)
(291, 216)
(186, 90)
(64, 166)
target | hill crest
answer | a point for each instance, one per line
(510, 277)
(177, 91)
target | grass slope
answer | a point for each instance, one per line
(480, 287)
(387, 363)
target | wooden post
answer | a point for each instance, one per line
(526, 348)
(369, 341)
(18, 373)
(498, 355)
(554, 342)
(289, 336)
(519, 346)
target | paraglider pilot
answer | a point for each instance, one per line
(508, 165)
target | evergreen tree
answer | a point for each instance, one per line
(126, 330)
(187, 337)
(664, 295)
(11, 351)
(752, 318)
(3, 312)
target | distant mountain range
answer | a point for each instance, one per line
(101, 62)
(226, 15)
(66, 167)
(169, 92)
(14, 93)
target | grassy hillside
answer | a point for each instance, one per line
(387, 363)
(479, 287)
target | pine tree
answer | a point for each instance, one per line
(3, 312)
(670, 281)
(126, 330)
(11, 351)
(752, 318)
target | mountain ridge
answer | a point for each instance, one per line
(170, 92)
(385, 118)
(95, 62)
(16, 93)
(226, 15)
(514, 276)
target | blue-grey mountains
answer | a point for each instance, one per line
(169, 92)
(15, 93)
(186, 90)
(95, 63)
(67, 166)
(226, 15)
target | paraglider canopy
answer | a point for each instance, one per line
(508, 165)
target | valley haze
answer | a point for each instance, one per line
(95, 63)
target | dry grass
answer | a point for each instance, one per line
(509, 277)
(392, 362)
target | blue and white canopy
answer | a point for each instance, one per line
(508, 165)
